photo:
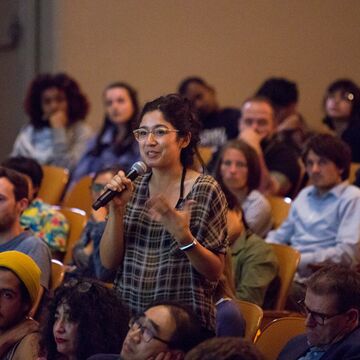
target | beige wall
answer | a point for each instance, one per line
(234, 44)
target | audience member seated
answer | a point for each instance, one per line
(56, 134)
(238, 172)
(225, 348)
(323, 223)
(115, 144)
(42, 219)
(218, 124)
(332, 308)
(280, 168)
(166, 330)
(342, 113)
(84, 318)
(255, 264)
(229, 319)
(283, 95)
(14, 192)
(19, 287)
(86, 253)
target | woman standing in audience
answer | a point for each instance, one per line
(56, 134)
(342, 113)
(84, 318)
(115, 143)
(238, 173)
(166, 232)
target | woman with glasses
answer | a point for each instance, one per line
(238, 173)
(84, 318)
(166, 232)
(115, 143)
(342, 113)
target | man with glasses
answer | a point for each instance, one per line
(332, 309)
(280, 169)
(165, 330)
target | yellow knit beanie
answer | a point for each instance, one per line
(25, 268)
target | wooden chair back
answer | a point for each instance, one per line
(288, 259)
(252, 314)
(276, 334)
(280, 208)
(77, 219)
(79, 196)
(57, 274)
(53, 184)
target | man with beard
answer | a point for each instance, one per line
(19, 289)
(332, 309)
(13, 201)
(323, 223)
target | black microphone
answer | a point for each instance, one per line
(139, 168)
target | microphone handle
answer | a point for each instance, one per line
(108, 195)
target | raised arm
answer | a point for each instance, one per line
(112, 241)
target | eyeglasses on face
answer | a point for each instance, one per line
(97, 187)
(343, 95)
(80, 285)
(158, 133)
(319, 318)
(137, 323)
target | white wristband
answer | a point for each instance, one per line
(188, 246)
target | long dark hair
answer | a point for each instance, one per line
(253, 164)
(122, 146)
(102, 319)
(178, 111)
(78, 105)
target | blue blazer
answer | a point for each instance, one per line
(346, 349)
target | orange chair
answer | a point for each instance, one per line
(288, 259)
(280, 208)
(79, 196)
(276, 334)
(77, 219)
(57, 274)
(53, 184)
(253, 315)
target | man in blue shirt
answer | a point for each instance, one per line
(323, 223)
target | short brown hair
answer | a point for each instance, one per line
(21, 187)
(339, 280)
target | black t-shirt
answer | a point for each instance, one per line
(219, 127)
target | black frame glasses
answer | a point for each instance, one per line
(137, 323)
(318, 317)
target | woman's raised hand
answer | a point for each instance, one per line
(176, 222)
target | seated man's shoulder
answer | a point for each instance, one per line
(294, 348)
(28, 347)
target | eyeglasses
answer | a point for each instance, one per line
(158, 133)
(137, 323)
(258, 122)
(319, 318)
(80, 285)
(96, 187)
(347, 96)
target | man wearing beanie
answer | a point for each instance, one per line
(19, 289)
(13, 201)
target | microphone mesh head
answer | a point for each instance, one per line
(140, 167)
